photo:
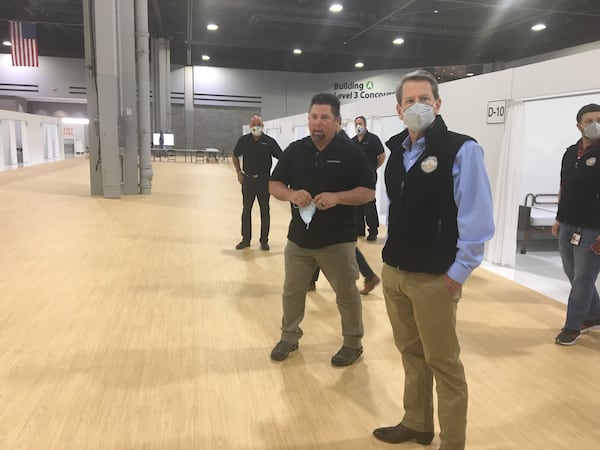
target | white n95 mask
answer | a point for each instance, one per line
(418, 117)
(592, 131)
(307, 213)
(257, 130)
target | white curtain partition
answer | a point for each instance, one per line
(58, 151)
(382, 201)
(50, 136)
(16, 129)
(502, 248)
(4, 143)
(300, 131)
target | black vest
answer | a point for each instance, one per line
(579, 203)
(422, 227)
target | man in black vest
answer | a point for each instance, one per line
(256, 150)
(578, 226)
(374, 152)
(440, 216)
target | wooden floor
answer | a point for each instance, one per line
(135, 324)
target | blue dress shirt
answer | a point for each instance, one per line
(473, 197)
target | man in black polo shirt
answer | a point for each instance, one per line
(256, 150)
(323, 176)
(373, 149)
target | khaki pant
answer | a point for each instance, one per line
(423, 318)
(338, 263)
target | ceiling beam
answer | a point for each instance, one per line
(513, 6)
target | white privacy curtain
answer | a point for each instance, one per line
(50, 136)
(502, 248)
(377, 127)
(300, 131)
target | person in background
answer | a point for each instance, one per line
(323, 176)
(578, 226)
(440, 216)
(161, 144)
(371, 278)
(256, 150)
(373, 149)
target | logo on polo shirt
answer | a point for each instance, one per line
(590, 161)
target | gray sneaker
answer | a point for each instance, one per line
(282, 350)
(590, 325)
(567, 337)
(346, 356)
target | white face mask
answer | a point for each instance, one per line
(592, 131)
(418, 117)
(257, 130)
(360, 129)
(307, 213)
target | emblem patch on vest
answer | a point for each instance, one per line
(590, 161)
(429, 164)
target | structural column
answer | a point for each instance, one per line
(188, 81)
(161, 85)
(118, 94)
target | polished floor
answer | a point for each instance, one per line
(135, 324)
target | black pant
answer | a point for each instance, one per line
(255, 187)
(367, 211)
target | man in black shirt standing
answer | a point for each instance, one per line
(323, 176)
(373, 149)
(256, 150)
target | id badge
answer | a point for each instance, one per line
(576, 239)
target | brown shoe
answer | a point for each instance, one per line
(400, 433)
(370, 284)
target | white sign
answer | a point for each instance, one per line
(496, 112)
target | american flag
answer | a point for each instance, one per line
(24, 47)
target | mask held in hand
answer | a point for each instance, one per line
(307, 213)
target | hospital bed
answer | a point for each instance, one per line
(536, 217)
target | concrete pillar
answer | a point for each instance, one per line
(105, 72)
(143, 72)
(116, 45)
(161, 85)
(188, 76)
(128, 98)
(92, 101)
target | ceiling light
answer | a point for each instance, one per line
(297, 51)
(398, 41)
(212, 27)
(7, 43)
(538, 27)
(336, 7)
(74, 121)
(205, 57)
(359, 65)
(435, 11)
